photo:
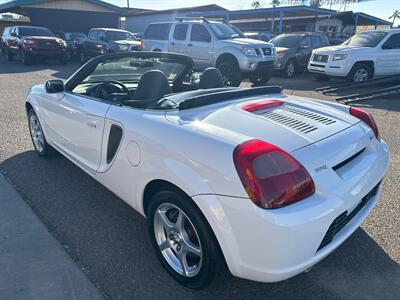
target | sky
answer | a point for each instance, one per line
(379, 8)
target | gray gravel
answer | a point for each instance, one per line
(108, 239)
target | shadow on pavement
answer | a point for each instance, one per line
(109, 241)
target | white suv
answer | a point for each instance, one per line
(363, 56)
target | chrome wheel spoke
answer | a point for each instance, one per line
(164, 245)
(168, 225)
(192, 248)
(184, 264)
(179, 222)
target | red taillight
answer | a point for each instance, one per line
(271, 177)
(366, 118)
(141, 45)
(262, 105)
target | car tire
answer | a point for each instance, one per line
(259, 79)
(231, 72)
(9, 55)
(25, 58)
(290, 68)
(360, 72)
(321, 78)
(206, 267)
(42, 148)
(83, 56)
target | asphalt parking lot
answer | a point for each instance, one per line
(108, 239)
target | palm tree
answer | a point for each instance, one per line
(275, 3)
(255, 4)
(394, 16)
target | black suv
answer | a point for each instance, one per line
(107, 40)
(294, 50)
(31, 42)
(72, 39)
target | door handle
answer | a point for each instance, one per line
(190, 45)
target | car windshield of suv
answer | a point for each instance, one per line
(225, 31)
(286, 41)
(366, 39)
(74, 35)
(120, 36)
(32, 31)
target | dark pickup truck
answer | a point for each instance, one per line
(107, 40)
(31, 42)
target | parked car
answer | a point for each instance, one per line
(4, 39)
(262, 36)
(106, 40)
(213, 43)
(264, 183)
(72, 39)
(31, 42)
(337, 38)
(363, 56)
(138, 36)
(294, 51)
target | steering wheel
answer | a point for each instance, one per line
(106, 88)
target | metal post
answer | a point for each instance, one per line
(272, 22)
(280, 21)
(127, 3)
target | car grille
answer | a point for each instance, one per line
(48, 44)
(345, 218)
(289, 122)
(320, 58)
(264, 51)
(310, 115)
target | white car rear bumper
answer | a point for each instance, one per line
(273, 245)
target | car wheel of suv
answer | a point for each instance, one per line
(230, 72)
(9, 55)
(258, 79)
(37, 135)
(183, 240)
(290, 69)
(82, 56)
(360, 72)
(25, 58)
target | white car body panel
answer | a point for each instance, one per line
(193, 149)
(385, 61)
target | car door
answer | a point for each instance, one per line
(75, 123)
(178, 39)
(200, 45)
(304, 51)
(91, 43)
(388, 57)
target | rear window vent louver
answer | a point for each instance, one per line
(289, 122)
(310, 115)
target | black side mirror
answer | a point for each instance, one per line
(54, 86)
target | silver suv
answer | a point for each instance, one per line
(214, 43)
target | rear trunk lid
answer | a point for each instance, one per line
(293, 125)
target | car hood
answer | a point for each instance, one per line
(42, 38)
(126, 42)
(295, 124)
(244, 42)
(341, 49)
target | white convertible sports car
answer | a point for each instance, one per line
(245, 179)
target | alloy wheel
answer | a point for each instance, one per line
(290, 70)
(360, 75)
(178, 240)
(36, 133)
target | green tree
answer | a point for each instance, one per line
(255, 4)
(394, 16)
(275, 3)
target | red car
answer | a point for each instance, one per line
(31, 43)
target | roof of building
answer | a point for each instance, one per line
(18, 3)
(202, 8)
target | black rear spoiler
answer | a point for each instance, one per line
(213, 98)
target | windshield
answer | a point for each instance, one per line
(74, 35)
(131, 69)
(120, 36)
(366, 39)
(287, 41)
(224, 31)
(32, 31)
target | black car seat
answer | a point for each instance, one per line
(152, 86)
(211, 78)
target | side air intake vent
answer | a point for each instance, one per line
(113, 142)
